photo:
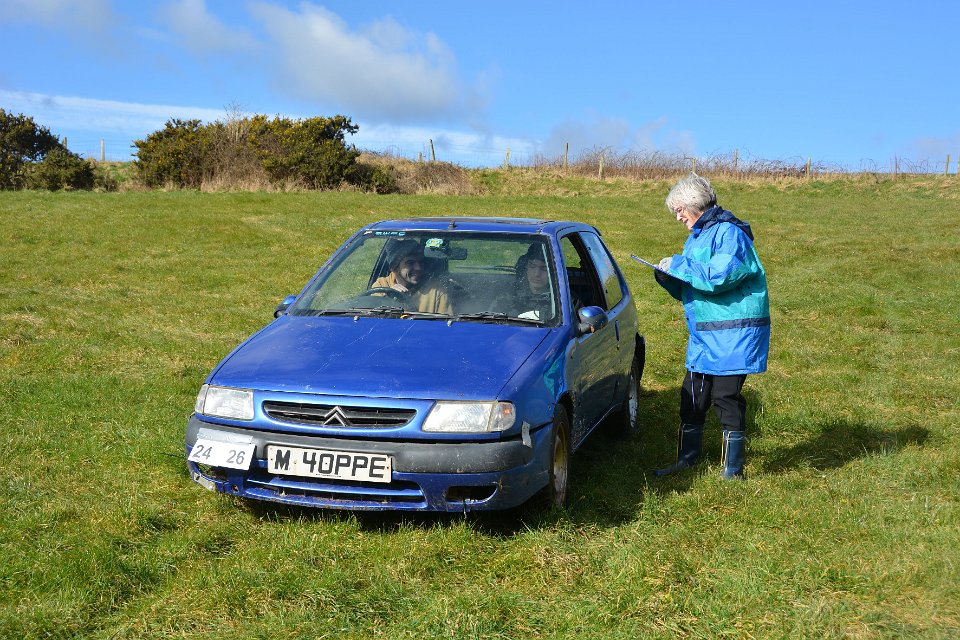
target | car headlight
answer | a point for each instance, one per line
(225, 402)
(470, 417)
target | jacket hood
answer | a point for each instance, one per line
(383, 357)
(716, 215)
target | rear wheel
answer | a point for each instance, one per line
(554, 495)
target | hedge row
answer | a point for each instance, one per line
(32, 158)
(310, 153)
(242, 153)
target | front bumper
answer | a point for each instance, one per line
(427, 476)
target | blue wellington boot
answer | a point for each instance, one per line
(734, 455)
(689, 446)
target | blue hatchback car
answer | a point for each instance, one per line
(439, 364)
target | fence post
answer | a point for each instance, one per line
(736, 157)
(808, 168)
(946, 169)
(694, 164)
(102, 151)
(419, 157)
(506, 160)
(433, 154)
(566, 156)
(600, 170)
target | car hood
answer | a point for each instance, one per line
(380, 357)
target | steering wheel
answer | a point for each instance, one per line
(389, 292)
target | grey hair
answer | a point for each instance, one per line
(693, 193)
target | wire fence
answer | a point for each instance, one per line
(611, 162)
(602, 161)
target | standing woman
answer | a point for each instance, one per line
(723, 287)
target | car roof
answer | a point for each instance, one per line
(482, 224)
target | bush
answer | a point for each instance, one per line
(61, 169)
(384, 173)
(22, 142)
(379, 179)
(437, 177)
(176, 155)
(107, 176)
(311, 153)
(232, 161)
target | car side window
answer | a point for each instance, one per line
(582, 276)
(609, 277)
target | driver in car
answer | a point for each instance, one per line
(408, 277)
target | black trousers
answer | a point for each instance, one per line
(700, 390)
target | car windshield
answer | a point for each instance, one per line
(461, 276)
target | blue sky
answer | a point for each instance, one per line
(848, 84)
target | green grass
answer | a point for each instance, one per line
(115, 306)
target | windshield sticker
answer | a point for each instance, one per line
(390, 233)
(434, 243)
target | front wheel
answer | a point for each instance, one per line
(554, 495)
(626, 420)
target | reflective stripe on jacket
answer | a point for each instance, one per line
(723, 288)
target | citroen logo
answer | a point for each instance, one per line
(335, 417)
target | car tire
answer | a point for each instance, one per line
(626, 420)
(553, 497)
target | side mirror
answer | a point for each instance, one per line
(283, 306)
(592, 319)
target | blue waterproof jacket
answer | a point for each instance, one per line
(723, 288)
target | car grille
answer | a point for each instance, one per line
(332, 492)
(329, 415)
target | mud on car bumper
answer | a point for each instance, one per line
(426, 476)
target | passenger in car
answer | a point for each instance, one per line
(408, 276)
(531, 296)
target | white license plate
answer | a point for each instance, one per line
(319, 463)
(217, 453)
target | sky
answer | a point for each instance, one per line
(852, 85)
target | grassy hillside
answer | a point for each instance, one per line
(115, 306)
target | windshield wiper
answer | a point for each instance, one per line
(426, 314)
(497, 316)
(382, 310)
(322, 312)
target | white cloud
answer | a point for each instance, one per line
(201, 32)
(66, 15)
(644, 136)
(618, 134)
(382, 71)
(451, 145)
(681, 142)
(106, 116)
(936, 148)
(387, 34)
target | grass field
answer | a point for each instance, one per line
(115, 306)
